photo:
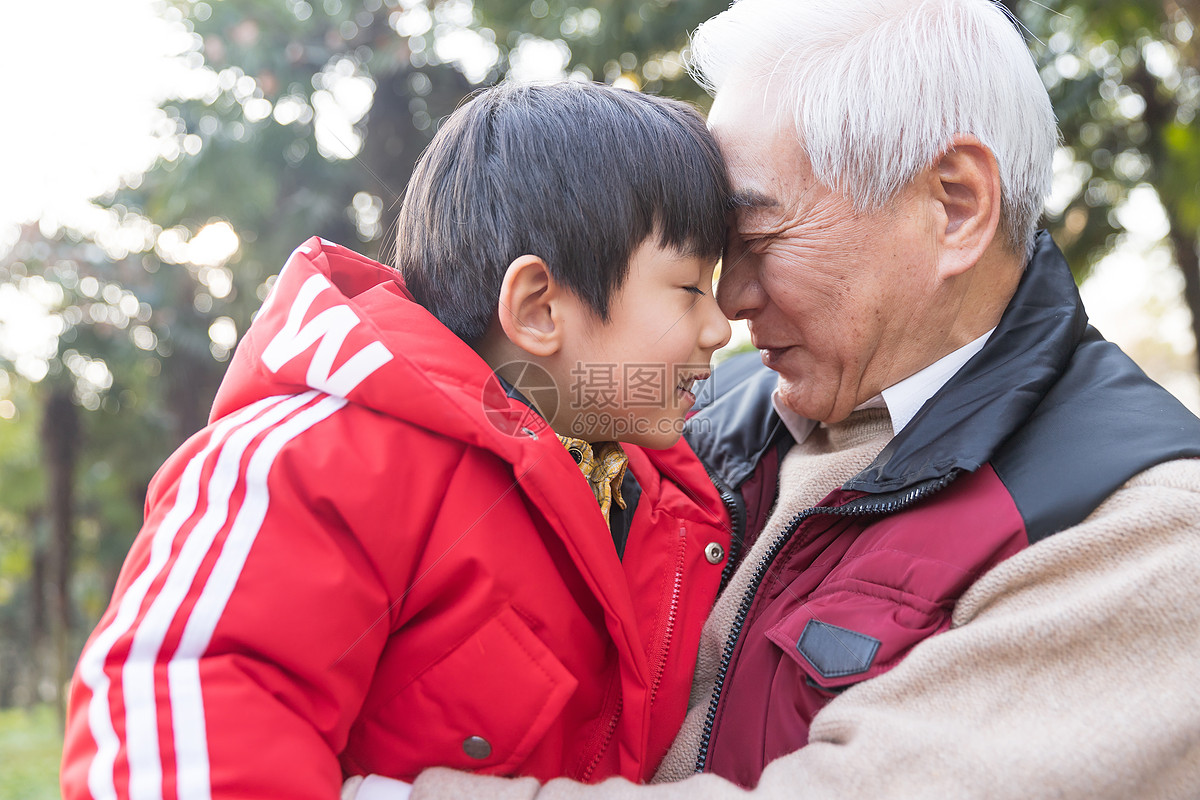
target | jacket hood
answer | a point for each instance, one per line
(340, 323)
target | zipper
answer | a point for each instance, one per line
(606, 737)
(863, 506)
(664, 638)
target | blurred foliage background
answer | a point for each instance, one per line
(304, 117)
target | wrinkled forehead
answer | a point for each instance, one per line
(767, 164)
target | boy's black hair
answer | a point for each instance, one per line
(579, 174)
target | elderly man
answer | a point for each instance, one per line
(970, 526)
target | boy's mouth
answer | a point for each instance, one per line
(686, 384)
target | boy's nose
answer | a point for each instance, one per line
(716, 328)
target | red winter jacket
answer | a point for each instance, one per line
(374, 561)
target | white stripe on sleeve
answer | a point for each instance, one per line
(187, 708)
(138, 675)
(91, 663)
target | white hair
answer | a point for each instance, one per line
(878, 89)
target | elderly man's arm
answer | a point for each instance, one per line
(1071, 672)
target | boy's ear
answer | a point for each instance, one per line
(966, 192)
(528, 308)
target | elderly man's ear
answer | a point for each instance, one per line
(965, 192)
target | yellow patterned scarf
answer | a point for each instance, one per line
(603, 465)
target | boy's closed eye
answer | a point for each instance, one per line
(696, 290)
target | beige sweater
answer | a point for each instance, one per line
(1072, 670)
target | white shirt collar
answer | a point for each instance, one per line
(902, 400)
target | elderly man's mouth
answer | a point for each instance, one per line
(771, 356)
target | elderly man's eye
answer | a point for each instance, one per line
(740, 245)
(755, 243)
(742, 241)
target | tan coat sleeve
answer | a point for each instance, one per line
(1073, 671)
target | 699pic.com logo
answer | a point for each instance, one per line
(513, 417)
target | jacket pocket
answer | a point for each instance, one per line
(484, 706)
(856, 632)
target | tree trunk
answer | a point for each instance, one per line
(60, 449)
(1160, 112)
(36, 665)
(1188, 260)
(1183, 241)
(38, 588)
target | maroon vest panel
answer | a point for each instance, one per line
(845, 600)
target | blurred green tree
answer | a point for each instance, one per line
(141, 312)
(1125, 82)
(641, 43)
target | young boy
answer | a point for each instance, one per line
(379, 556)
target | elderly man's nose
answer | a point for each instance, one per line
(738, 292)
